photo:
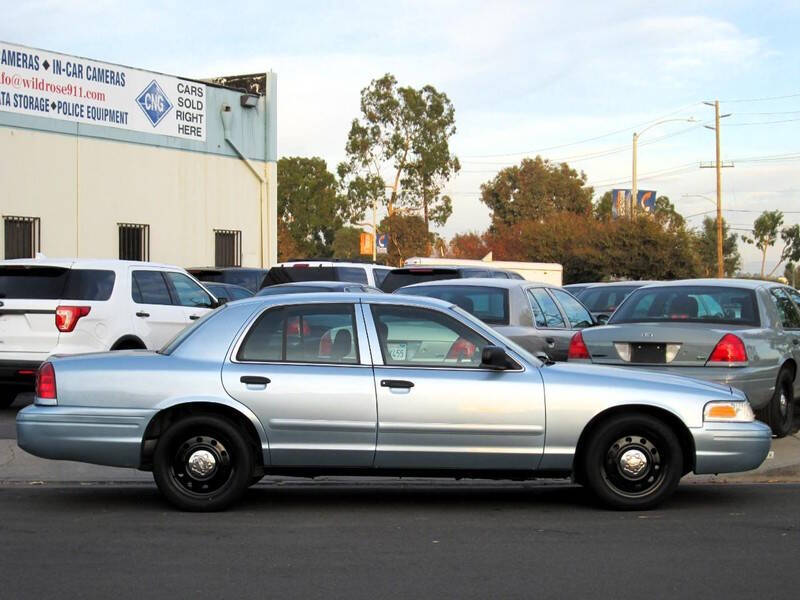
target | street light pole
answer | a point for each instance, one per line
(634, 180)
(720, 259)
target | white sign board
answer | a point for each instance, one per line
(57, 86)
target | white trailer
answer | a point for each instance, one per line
(532, 271)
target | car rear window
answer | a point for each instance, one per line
(55, 283)
(606, 298)
(403, 277)
(489, 304)
(692, 304)
(293, 289)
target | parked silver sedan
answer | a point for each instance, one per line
(742, 333)
(368, 384)
(541, 318)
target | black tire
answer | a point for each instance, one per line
(779, 413)
(7, 396)
(216, 444)
(648, 439)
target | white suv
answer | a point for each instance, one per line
(72, 306)
(354, 272)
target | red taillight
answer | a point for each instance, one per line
(730, 349)
(577, 349)
(46, 381)
(67, 316)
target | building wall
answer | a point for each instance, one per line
(83, 179)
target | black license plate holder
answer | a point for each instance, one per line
(649, 353)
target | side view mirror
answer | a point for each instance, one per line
(219, 302)
(495, 357)
(543, 356)
(602, 319)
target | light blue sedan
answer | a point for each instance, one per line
(365, 384)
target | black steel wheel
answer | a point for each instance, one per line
(202, 463)
(633, 462)
(779, 413)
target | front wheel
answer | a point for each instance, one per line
(202, 463)
(633, 462)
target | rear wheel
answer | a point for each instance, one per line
(779, 413)
(202, 463)
(633, 462)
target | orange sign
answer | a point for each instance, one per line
(366, 243)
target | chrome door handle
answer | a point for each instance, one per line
(396, 383)
(550, 341)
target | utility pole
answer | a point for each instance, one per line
(718, 166)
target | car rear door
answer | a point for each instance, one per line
(438, 408)
(156, 317)
(305, 370)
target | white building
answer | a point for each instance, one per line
(105, 161)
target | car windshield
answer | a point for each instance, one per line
(605, 298)
(489, 304)
(276, 290)
(693, 304)
(184, 333)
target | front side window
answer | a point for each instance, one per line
(577, 314)
(689, 303)
(188, 292)
(787, 312)
(419, 337)
(314, 333)
(545, 310)
(150, 287)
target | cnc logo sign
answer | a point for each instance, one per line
(154, 103)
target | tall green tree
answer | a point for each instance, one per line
(347, 243)
(534, 189)
(310, 205)
(404, 133)
(705, 241)
(408, 237)
(766, 229)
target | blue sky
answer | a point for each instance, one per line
(523, 76)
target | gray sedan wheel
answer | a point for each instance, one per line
(633, 462)
(202, 463)
(779, 413)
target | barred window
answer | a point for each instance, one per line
(22, 237)
(227, 248)
(134, 241)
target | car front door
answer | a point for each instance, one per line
(195, 301)
(305, 370)
(156, 318)
(438, 409)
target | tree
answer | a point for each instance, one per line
(535, 189)
(408, 237)
(665, 214)
(705, 242)
(405, 131)
(310, 205)
(468, 245)
(603, 208)
(765, 234)
(792, 274)
(347, 243)
(287, 247)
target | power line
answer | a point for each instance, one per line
(763, 99)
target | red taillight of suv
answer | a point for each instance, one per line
(46, 382)
(68, 316)
(577, 348)
(730, 349)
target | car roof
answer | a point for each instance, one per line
(331, 263)
(338, 298)
(751, 284)
(220, 269)
(618, 283)
(481, 282)
(325, 284)
(98, 263)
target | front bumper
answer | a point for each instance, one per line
(730, 447)
(102, 436)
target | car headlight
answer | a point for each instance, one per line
(728, 412)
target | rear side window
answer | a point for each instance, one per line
(787, 312)
(544, 308)
(694, 304)
(55, 283)
(317, 333)
(352, 274)
(149, 287)
(578, 316)
(89, 284)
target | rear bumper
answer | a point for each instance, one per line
(19, 373)
(101, 436)
(730, 447)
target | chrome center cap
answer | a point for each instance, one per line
(201, 463)
(633, 462)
